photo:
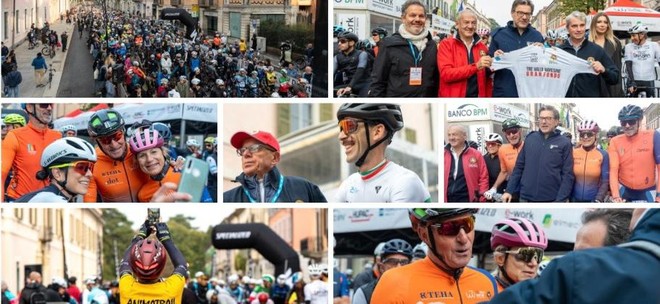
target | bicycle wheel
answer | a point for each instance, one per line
(45, 51)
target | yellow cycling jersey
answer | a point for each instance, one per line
(168, 291)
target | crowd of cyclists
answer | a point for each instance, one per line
(120, 164)
(142, 57)
(468, 62)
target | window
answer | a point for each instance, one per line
(16, 17)
(211, 24)
(5, 25)
(301, 116)
(33, 216)
(18, 213)
(411, 135)
(319, 161)
(58, 223)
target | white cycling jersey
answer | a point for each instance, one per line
(316, 292)
(542, 72)
(391, 184)
(643, 59)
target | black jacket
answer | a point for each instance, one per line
(391, 72)
(26, 293)
(589, 85)
(295, 189)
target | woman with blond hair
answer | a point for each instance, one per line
(601, 34)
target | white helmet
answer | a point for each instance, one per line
(246, 280)
(552, 35)
(59, 281)
(66, 128)
(90, 280)
(67, 150)
(494, 137)
(195, 81)
(219, 82)
(233, 279)
(638, 28)
(315, 270)
(281, 279)
(192, 142)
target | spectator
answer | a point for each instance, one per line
(12, 82)
(40, 66)
(603, 227)
(73, 289)
(602, 35)
(395, 253)
(65, 38)
(466, 175)
(33, 286)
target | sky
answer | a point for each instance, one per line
(205, 216)
(606, 111)
(501, 10)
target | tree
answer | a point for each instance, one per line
(192, 242)
(493, 24)
(585, 6)
(116, 230)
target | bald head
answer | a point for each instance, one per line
(35, 277)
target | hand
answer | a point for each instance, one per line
(162, 232)
(167, 194)
(537, 44)
(598, 67)
(498, 53)
(144, 230)
(485, 61)
(489, 194)
(657, 199)
(618, 200)
(343, 91)
(632, 89)
(506, 198)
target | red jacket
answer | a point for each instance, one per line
(455, 71)
(474, 168)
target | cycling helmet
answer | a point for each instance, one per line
(379, 249)
(67, 150)
(268, 277)
(337, 29)
(147, 259)
(90, 280)
(315, 270)
(588, 125)
(483, 32)
(105, 122)
(296, 277)
(638, 29)
(262, 297)
(631, 112)
(195, 81)
(473, 144)
(13, 118)
(209, 140)
(388, 114)
(363, 44)
(281, 279)
(348, 35)
(612, 132)
(396, 246)
(246, 280)
(438, 214)
(382, 32)
(233, 279)
(219, 82)
(59, 282)
(68, 128)
(510, 123)
(163, 130)
(144, 140)
(563, 35)
(192, 142)
(552, 35)
(420, 250)
(518, 232)
(492, 137)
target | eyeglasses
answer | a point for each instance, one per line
(395, 262)
(628, 123)
(106, 140)
(253, 149)
(587, 135)
(45, 105)
(546, 118)
(526, 254)
(80, 167)
(512, 131)
(349, 125)
(491, 144)
(523, 14)
(453, 228)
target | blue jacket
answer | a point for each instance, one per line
(508, 39)
(294, 189)
(601, 275)
(39, 63)
(544, 169)
(589, 85)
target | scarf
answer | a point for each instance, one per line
(418, 40)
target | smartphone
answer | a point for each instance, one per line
(153, 216)
(193, 178)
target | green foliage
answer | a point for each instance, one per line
(240, 261)
(585, 6)
(117, 229)
(276, 32)
(192, 243)
(493, 24)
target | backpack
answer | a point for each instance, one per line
(37, 297)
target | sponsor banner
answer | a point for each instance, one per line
(478, 133)
(354, 22)
(502, 112)
(353, 4)
(467, 112)
(387, 7)
(207, 112)
(352, 220)
(440, 24)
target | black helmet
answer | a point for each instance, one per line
(473, 144)
(105, 122)
(396, 246)
(363, 44)
(388, 114)
(510, 123)
(337, 29)
(382, 32)
(612, 132)
(439, 214)
(348, 35)
(631, 112)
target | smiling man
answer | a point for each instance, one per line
(365, 131)
(261, 181)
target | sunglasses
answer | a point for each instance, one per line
(526, 254)
(587, 135)
(343, 40)
(511, 131)
(628, 122)
(253, 149)
(80, 167)
(491, 144)
(45, 105)
(349, 125)
(453, 228)
(106, 140)
(374, 34)
(395, 262)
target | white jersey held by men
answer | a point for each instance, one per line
(542, 72)
(392, 184)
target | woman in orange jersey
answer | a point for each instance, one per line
(591, 166)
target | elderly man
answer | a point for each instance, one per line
(603, 227)
(588, 85)
(466, 174)
(544, 167)
(395, 253)
(406, 62)
(261, 181)
(443, 276)
(463, 61)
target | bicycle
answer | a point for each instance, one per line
(48, 51)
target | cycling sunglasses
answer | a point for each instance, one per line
(343, 40)
(628, 122)
(80, 167)
(453, 228)
(512, 131)
(106, 140)
(526, 254)
(46, 105)
(349, 125)
(395, 262)
(587, 135)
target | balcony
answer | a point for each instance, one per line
(312, 247)
(207, 3)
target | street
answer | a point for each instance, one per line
(77, 78)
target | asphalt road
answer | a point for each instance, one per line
(77, 78)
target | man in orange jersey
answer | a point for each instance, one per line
(634, 160)
(22, 148)
(117, 177)
(443, 276)
(508, 154)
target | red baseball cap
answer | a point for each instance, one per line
(263, 137)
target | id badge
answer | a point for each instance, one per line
(415, 76)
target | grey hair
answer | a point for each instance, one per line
(460, 127)
(517, 3)
(464, 12)
(577, 15)
(555, 112)
(408, 3)
(617, 222)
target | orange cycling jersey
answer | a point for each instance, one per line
(591, 170)
(115, 181)
(508, 155)
(423, 282)
(634, 161)
(151, 186)
(21, 151)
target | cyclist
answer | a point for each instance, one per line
(484, 34)
(377, 35)
(508, 154)
(336, 30)
(395, 253)
(443, 276)
(22, 148)
(365, 131)
(143, 263)
(117, 177)
(68, 164)
(14, 121)
(640, 57)
(211, 157)
(351, 67)
(492, 159)
(419, 251)
(193, 148)
(316, 292)
(551, 38)
(522, 240)
(634, 159)
(591, 166)
(280, 290)
(69, 131)
(236, 291)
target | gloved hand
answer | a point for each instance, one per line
(489, 194)
(162, 232)
(144, 230)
